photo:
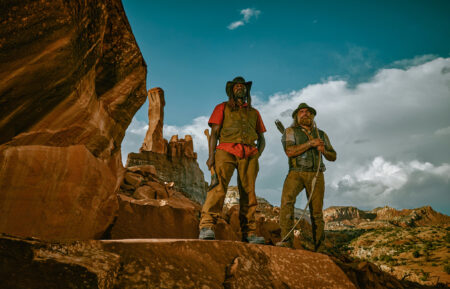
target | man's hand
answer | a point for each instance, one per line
(215, 128)
(317, 142)
(321, 148)
(261, 144)
(210, 162)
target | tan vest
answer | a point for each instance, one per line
(239, 126)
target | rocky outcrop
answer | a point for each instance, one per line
(154, 140)
(424, 216)
(345, 213)
(157, 263)
(184, 172)
(345, 218)
(175, 161)
(171, 217)
(151, 208)
(71, 78)
(368, 276)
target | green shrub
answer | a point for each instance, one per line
(447, 269)
(447, 238)
(425, 276)
(386, 258)
(416, 254)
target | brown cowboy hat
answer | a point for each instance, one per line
(239, 79)
(303, 105)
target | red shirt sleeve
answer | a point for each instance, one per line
(217, 115)
(260, 128)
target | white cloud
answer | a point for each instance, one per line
(380, 183)
(195, 129)
(418, 60)
(247, 14)
(383, 130)
(235, 25)
(443, 131)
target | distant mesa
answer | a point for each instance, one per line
(343, 218)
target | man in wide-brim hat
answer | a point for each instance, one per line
(302, 146)
(239, 129)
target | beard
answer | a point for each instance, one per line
(240, 94)
(307, 121)
(240, 98)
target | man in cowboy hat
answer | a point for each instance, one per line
(239, 129)
(302, 146)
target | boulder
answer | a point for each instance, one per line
(71, 79)
(46, 192)
(174, 217)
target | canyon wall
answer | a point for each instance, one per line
(71, 79)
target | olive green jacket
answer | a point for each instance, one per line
(239, 126)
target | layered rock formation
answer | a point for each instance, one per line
(71, 79)
(175, 161)
(344, 218)
(424, 216)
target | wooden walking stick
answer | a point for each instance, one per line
(214, 179)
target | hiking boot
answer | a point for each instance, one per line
(284, 244)
(207, 234)
(253, 239)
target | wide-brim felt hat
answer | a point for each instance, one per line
(304, 105)
(239, 79)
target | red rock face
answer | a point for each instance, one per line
(216, 264)
(71, 78)
(153, 263)
(174, 217)
(183, 171)
(154, 140)
(152, 208)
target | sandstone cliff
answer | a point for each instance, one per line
(71, 79)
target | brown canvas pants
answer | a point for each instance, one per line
(247, 168)
(293, 185)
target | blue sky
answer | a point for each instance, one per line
(191, 54)
(377, 72)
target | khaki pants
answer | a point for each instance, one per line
(293, 185)
(225, 164)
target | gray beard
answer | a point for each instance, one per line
(305, 121)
